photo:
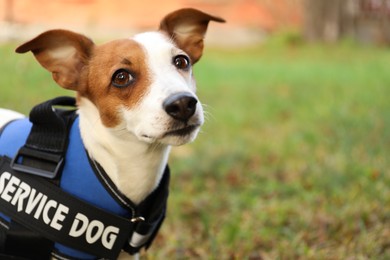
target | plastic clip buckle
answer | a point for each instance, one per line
(51, 162)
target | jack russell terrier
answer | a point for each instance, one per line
(135, 99)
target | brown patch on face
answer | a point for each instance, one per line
(106, 59)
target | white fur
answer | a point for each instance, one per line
(8, 115)
(133, 143)
(134, 166)
(134, 153)
(151, 121)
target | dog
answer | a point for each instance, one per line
(136, 97)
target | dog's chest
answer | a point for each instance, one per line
(79, 176)
(86, 180)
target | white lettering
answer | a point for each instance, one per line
(32, 201)
(20, 195)
(109, 236)
(100, 228)
(49, 204)
(94, 230)
(76, 230)
(40, 207)
(4, 176)
(59, 216)
(23, 197)
(10, 188)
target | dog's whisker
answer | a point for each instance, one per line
(207, 113)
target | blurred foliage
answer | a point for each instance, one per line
(292, 162)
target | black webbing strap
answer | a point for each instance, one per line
(24, 243)
(50, 213)
(153, 208)
(148, 216)
(42, 155)
(45, 148)
(44, 208)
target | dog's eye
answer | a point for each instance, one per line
(122, 78)
(181, 62)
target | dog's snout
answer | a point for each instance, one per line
(180, 106)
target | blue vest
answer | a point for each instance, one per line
(82, 178)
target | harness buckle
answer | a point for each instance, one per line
(137, 219)
(37, 162)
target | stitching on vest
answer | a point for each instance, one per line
(114, 192)
(59, 257)
(4, 224)
(5, 126)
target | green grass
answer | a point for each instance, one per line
(292, 162)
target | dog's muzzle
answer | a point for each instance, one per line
(180, 106)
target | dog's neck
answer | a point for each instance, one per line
(135, 167)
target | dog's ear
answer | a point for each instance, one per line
(187, 27)
(63, 53)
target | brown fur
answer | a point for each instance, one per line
(187, 27)
(48, 47)
(103, 63)
(76, 63)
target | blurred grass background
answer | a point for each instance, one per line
(292, 162)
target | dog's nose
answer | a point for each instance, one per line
(180, 106)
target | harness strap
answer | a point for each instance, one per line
(44, 208)
(148, 216)
(45, 148)
(25, 243)
(42, 155)
(50, 213)
(154, 210)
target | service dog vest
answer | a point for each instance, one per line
(77, 229)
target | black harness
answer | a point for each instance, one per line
(39, 220)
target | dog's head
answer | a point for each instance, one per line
(143, 85)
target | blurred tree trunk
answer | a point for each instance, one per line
(363, 20)
(323, 20)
